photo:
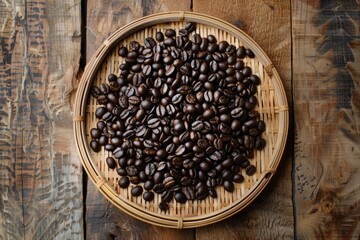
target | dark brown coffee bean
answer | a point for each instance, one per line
(148, 185)
(180, 197)
(261, 126)
(124, 182)
(228, 186)
(260, 143)
(110, 161)
(159, 36)
(238, 178)
(197, 126)
(169, 182)
(148, 196)
(136, 191)
(123, 51)
(180, 150)
(167, 196)
(163, 206)
(95, 145)
(250, 170)
(161, 166)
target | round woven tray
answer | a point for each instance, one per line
(272, 107)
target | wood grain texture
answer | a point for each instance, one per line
(271, 215)
(326, 103)
(103, 220)
(41, 175)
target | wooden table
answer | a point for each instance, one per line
(44, 47)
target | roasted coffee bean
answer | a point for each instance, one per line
(161, 166)
(228, 186)
(159, 36)
(180, 197)
(260, 143)
(238, 178)
(124, 182)
(163, 206)
(167, 196)
(148, 196)
(95, 145)
(149, 185)
(149, 42)
(110, 161)
(180, 150)
(197, 126)
(123, 51)
(136, 191)
(95, 133)
(250, 170)
(169, 182)
(150, 169)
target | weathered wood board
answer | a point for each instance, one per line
(326, 90)
(40, 172)
(103, 220)
(270, 216)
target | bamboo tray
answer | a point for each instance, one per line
(272, 107)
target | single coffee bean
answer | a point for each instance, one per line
(124, 182)
(167, 196)
(148, 185)
(148, 196)
(250, 170)
(180, 197)
(110, 161)
(163, 206)
(238, 178)
(228, 186)
(136, 191)
(95, 145)
(180, 150)
(197, 126)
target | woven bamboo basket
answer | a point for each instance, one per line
(272, 106)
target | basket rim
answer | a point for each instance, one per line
(83, 148)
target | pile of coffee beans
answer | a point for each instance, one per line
(179, 120)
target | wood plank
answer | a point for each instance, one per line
(41, 175)
(327, 118)
(103, 220)
(271, 215)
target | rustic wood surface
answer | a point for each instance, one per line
(40, 171)
(315, 47)
(326, 54)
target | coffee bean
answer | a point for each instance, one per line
(169, 182)
(197, 126)
(250, 170)
(111, 162)
(148, 196)
(238, 178)
(228, 186)
(163, 206)
(167, 196)
(148, 185)
(150, 169)
(180, 150)
(180, 197)
(95, 145)
(136, 191)
(124, 182)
